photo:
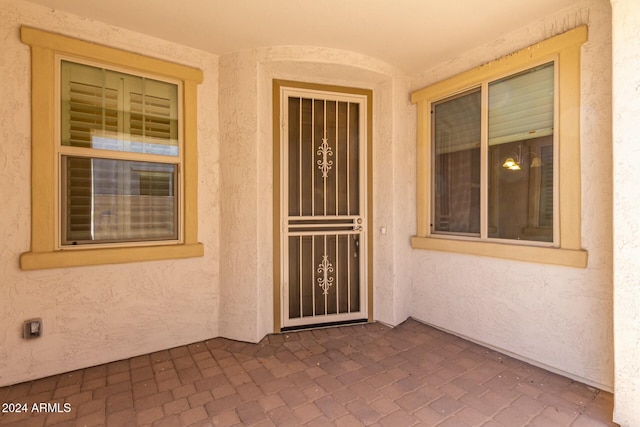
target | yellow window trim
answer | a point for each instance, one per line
(565, 49)
(43, 254)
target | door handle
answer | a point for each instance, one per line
(357, 244)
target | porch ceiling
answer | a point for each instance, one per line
(410, 34)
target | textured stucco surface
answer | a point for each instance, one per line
(626, 114)
(238, 192)
(558, 317)
(93, 315)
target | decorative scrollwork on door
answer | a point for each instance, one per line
(324, 268)
(325, 151)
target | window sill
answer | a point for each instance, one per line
(542, 255)
(101, 256)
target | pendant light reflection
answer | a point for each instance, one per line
(513, 163)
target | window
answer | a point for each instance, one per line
(498, 157)
(114, 163)
(520, 120)
(105, 114)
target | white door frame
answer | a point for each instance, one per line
(355, 227)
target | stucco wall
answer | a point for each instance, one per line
(626, 155)
(557, 317)
(93, 315)
(238, 193)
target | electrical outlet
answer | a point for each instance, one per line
(32, 328)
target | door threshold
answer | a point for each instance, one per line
(323, 325)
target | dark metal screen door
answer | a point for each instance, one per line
(323, 195)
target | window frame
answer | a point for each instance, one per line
(46, 50)
(567, 250)
(71, 151)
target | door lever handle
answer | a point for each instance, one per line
(357, 244)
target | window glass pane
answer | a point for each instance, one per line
(521, 106)
(521, 156)
(118, 200)
(456, 165)
(108, 110)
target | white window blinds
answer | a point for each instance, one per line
(105, 109)
(107, 198)
(457, 123)
(521, 106)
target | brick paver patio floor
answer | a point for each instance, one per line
(346, 376)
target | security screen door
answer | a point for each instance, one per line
(323, 196)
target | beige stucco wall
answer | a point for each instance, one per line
(93, 315)
(556, 317)
(626, 156)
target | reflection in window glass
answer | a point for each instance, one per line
(521, 156)
(118, 200)
(456, 165)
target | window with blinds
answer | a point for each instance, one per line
(514, 198)
(119, 157)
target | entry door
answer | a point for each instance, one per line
(323, 195)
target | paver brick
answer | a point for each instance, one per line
(283, 416)
(199, 399)
(153, 400)
(145, 388)
(398, 418)
(142, 373)
(111, 389)
(308, 412)
(95, 405)
(250, 413)
(193, 415)
(125, 418)
(91, 420)
(176, 406)
(351, 375)
(412, 401)
(512, 416)
(363, 411)
(45, 384)
(139, 362)
(225, 419)
(119, 402)
(169, 384)
(147, 416)
(70, 378)
(219, 406)
(169, 421)
(446, 405)
(119, 377)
